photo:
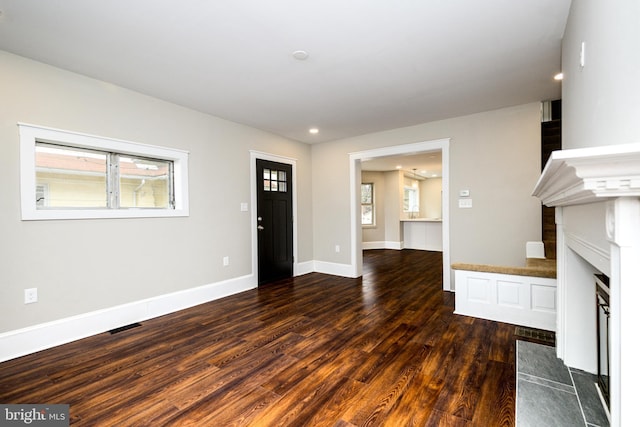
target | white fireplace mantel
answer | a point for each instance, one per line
(587, 175)
(570, 179)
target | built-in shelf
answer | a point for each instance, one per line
(587, 175)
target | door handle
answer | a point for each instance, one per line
(260, 228)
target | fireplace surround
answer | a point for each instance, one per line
(596, 192)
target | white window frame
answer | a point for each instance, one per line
(31, 134)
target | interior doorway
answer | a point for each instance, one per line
(355, 160)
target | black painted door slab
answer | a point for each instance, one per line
(275, 221)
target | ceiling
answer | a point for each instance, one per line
(373, 64)
(423, 165)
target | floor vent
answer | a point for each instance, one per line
(547, 337)
(124, 328)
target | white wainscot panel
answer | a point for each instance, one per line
(519, 300)
(479, 290)
(543, 298)
(510, 294)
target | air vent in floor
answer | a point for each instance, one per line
(124, 328)
(546, 337)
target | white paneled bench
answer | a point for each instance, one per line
(524, 296)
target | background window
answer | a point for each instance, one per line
(367, 206)
(411, 200)
(69, 175)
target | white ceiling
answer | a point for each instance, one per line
(373, 64)
(425, 165)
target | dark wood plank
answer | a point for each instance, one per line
(315, 350)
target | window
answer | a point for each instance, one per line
(411, 200)
(366, 203)
(274, 180)
(67, 175)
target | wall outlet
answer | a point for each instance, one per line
(337, 248)
(30, 295)
(225, 261)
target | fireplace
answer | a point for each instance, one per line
(596, 192)
(602, 316)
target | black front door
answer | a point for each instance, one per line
(275, 221)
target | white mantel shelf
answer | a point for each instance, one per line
(587, 175)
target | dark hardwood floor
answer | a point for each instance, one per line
(315, 350)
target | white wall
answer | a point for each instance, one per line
(80, 266)
(600, 100)
(495, 155)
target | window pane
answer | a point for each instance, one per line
(367, 215)
(144, 183)
(267, 185)
(411, 202)
(74, 178)
(367, 193)
(282, 187)
(266, 174)
(274, 175)
(274, 185)
(282, 176)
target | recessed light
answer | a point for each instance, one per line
(314, 131)
(300, 55)
(399, 167)
(558, 76)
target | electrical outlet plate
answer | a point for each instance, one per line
(30, 295)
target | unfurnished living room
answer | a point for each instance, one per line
(337, 213)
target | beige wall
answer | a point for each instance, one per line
(495, 155)
(431, 198)
(600, 100)
(80, 266)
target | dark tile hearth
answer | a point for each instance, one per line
(550, 394)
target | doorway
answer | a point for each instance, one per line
(355, 160)
(274, 210)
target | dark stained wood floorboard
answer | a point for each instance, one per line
(315, 350)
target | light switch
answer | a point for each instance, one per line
(244, 207)
(464, 193)
(465, 203)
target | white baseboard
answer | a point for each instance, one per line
(303, 268)
(50, 334)
(335, 269)
(383, 245)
